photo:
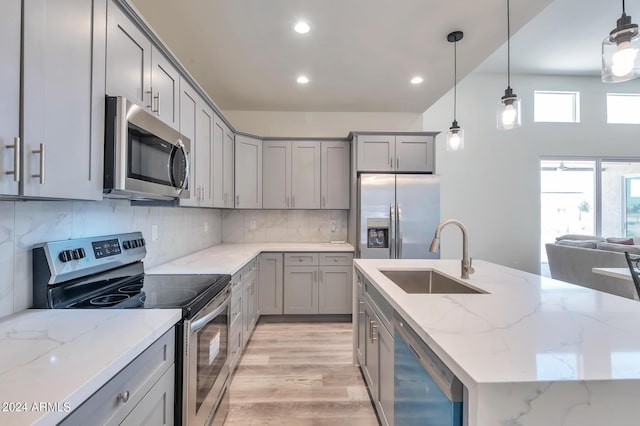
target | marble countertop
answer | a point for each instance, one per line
(61, 357)
(230, 258)
(527, 328)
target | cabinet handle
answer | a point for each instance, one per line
(391, 162)
(238, 200)
(157, 98)
(360, 304)
(374, 334)
(371, 330)
(124, 397)
(397, 162)
(315, 276)
(150, 93)
(41, 174)
(16, 160)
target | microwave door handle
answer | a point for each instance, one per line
(179, 145)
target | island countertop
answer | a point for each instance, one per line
(52, 360)
(570, 349)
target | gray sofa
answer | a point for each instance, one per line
(572, 257)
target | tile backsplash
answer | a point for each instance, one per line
(181, 231)
(278, 226)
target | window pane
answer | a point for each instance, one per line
(556, 107)
(623, 108)
(566, 200)
(621, 199)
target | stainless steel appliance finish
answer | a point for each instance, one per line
(107, 272)
(144, 158)
(426, 391)
(404, 209)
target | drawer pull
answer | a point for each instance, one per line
(335, 259)
(124, 397)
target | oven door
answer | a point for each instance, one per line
(206, 366)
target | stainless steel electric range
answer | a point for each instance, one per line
(107, 272)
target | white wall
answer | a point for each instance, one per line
(320, 124)
(493, 185)
(25, 223)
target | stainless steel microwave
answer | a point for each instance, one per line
(144, 158)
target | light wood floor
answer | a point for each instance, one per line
(299, 374)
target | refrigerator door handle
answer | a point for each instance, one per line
(398, 231)
(392, 237)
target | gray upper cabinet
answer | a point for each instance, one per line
(63, 59)
(138, 70)
(271, 284)
(128, 59)
(415, 153)
(165, 83)
(10, 96)
(276, 176)
(305, 172)
(223, 164)
(396, 153)
(335, 177)
(196, 123)
(248, 171)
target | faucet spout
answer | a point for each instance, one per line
(466, 267)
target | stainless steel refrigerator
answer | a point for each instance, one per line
(397, 215)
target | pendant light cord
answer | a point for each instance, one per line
(509, 46)
(455, 78)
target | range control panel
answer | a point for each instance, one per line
(68, 259)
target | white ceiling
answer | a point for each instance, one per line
(359, 55)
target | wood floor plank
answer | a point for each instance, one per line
(299, 374)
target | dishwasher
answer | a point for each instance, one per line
(426, 391)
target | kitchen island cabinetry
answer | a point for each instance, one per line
(10, 28)
(141, 392)
(62, 66)
(248, 172)
(387, 152)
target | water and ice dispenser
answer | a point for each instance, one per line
(378, 232)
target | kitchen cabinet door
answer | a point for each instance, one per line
(156, 408)
(385, 375)
(336, 183)
(370, 367)
(10, 96)
(301, 290)
(219, 130)
(188, 113)
(376, 153)
(276, 174)
(305, 175)
(228, 167)
(204, 160)
(61, 115)
(128, 59)
(414, 153)
(335, 290)
(270, 284)
(165, 81)
(361, 330)
(248, 172)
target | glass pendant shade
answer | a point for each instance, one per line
(455, 137)
(620, 52)
(508, 113)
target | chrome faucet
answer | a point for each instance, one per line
(435, 243)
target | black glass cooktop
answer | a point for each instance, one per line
(128, 287)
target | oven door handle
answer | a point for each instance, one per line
(198, 324)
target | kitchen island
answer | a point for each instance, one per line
(530, 350)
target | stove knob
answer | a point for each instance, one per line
(75, 254)
(63, 256)
(141, 242)
(82, 253)
(126, 245)
(134, 243)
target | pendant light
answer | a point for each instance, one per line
(455, 135)
(620, 59)
(509, 105)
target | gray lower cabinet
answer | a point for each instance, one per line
(301, 289)
(141, 393)
(271, 284)
(334, 289)
(249, 307)
(375, 349)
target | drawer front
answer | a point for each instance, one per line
(235, 345)
(235, 310)
(137, 378)
(380, 305)
(336, 259)
(299, 259)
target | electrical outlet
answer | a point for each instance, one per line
(154, 232)
(334, 225)
(206, 227)
(252, 225)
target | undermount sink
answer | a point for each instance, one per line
(428, 282)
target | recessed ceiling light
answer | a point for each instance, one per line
(302, 27)
(416, 80)
(302, 79)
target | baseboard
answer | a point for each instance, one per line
(305, 318)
